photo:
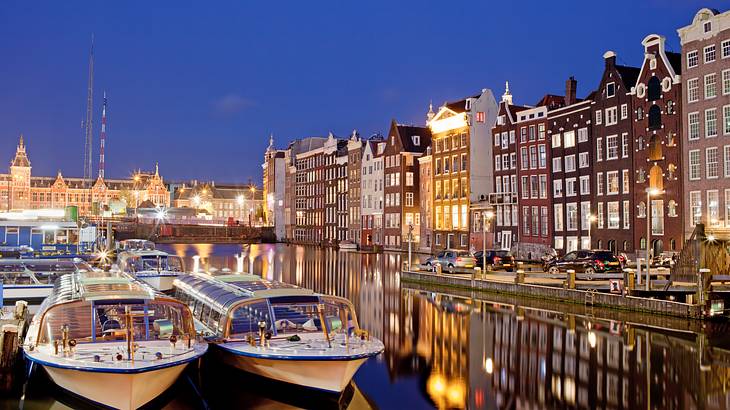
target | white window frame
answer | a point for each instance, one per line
(693, 126)
(712, 169)
(693, 90)
(710, 112)
(694, 169)
(693, 56)
(709, 51)
(710, 86)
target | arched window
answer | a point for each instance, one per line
(656, 177)
(599, 244)
(612, 245)
(626, 245)
(642, 243)
(655, 89)
(672, 245)
(655, 148)
(655, 117)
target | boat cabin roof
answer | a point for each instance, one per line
(136, 244)
(43, 265)
(97, 286)
(225, 291)
(143, 253)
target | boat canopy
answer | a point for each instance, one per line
(39, 271)
(234, 305)
(94, 305)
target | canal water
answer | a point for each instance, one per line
(454, 349)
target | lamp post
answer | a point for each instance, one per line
(649, 193)
(591, 218)
(253, 193)
(486, 220)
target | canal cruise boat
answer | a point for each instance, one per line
(32, 280)
(112, 339)
(139, 258)
(277, 330)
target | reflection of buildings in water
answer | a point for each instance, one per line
(371, 298)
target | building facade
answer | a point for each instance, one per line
(224, 203)
(355, 149)
(657, 98)
(403, 146)
(21, 190)
(614, 162)
(274, 185)
(504, 226)
(462, 166)
(706, 119)
(372, 193)
(425, 194)
(571, 144)
(336, 188)
(304, 212)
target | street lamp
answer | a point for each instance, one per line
(591, 218)
(486, 219)
(649, 193)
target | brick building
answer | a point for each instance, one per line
(706, 119)
(424, 196)
(462, 166)
(657, 98)
(372, 192)
(614, 133)
(571, 151)
(403, 146)
(335, 182)
(355, 149)
(304, 198)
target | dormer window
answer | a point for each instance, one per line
(416, 140)
(708, 26)
(501, 120)
(610, 90)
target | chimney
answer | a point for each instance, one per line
(570, 86)
(610, 58)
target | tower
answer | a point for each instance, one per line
(20, 178)
(102, 139)
(88, 124)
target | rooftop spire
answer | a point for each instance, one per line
(507, 96)
(430, 114)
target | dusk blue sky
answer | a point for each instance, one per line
(198, 86)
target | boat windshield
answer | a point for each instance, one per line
(147, 263)
(108, 320)
(293, 315)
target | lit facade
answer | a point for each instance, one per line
(372, 192)
(274, 181)
(21, 190)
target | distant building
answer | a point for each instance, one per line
(274, 185)
(304, 192)
(462, 165)
(404, 144)
(222, 203)
(705, 118)
(20, 190)
(355, 149)
(372, 192)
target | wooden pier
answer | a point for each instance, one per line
(13, 325)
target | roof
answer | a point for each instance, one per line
(406, 132)
(551, 101)
(460, 105)
(628, 74)
(215, 191)
(96, 286)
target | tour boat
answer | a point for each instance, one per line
(112, 339)
(279, 331)
(138, 257)
(32, 280)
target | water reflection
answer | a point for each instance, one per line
(447, 351)
(461, 352)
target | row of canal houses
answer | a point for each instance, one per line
(651, 139)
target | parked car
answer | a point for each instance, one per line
(664, 259)
(452, 259)
(585, 261)
(496, 259)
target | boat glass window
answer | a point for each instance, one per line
(245, 318)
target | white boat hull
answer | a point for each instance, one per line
(125, 391)
(328, 375)
(26, 292)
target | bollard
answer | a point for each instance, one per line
(629, 280)
(8, 345)
(478, 272)
(520, 276)
(21, 310)
(571, 278)
(439, 269)
(701, 287)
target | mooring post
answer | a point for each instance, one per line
(629, 281)
(571, 278)
(703, 285)
(520, 276)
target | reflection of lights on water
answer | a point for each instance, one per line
(489, 365)
(449, 393)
